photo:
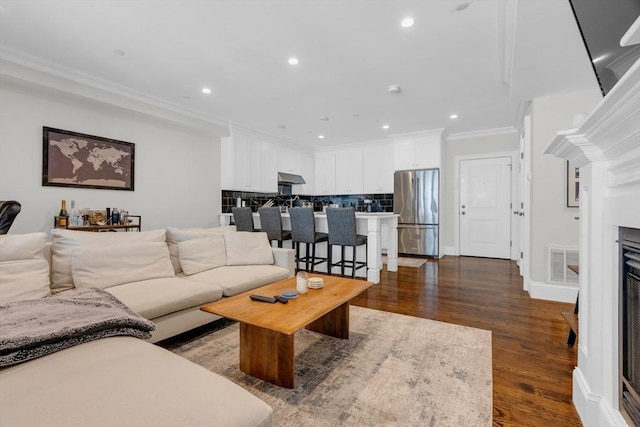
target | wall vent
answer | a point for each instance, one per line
(558, 258)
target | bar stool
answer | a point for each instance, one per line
(271, 223)
(303, 230)
(342, 232)
(243, 218)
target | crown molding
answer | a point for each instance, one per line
(481, 133)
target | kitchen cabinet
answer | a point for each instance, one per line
(417, 152)
(378, 169)
(289, 160)
(248, 164)
(269, 170)
(325, 172)
(349, 171)
(307, 168)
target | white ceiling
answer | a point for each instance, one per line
(482, 62)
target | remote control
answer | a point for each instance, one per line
(262, 298)
(281, 299)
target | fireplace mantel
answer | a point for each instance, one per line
(606, 148)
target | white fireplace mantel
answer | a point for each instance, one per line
(606, 148)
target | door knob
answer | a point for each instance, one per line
(463, 206)
(463, 213)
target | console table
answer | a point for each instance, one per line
(137, 226)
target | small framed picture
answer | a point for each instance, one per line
(573, 186)
(72, 159)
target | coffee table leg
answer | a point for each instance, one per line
(335, 323)
(267, 355)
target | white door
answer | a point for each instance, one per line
(485, 211)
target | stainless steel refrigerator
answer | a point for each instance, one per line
(415, 199)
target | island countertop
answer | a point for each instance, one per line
(381, 229)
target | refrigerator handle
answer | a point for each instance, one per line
(415, 198)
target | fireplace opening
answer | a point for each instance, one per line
(630, 324)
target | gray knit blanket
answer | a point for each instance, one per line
(36, 327)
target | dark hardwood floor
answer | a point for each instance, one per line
(532, 364)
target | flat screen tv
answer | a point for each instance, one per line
(602, 24)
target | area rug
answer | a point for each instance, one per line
(394, 370)
(407, 262)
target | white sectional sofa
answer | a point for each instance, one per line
(162, 275)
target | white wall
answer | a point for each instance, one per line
(177, 178)
(500, 142)
(552, 222)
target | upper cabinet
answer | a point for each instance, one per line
(418, 151)
(349, 176)
(307, 168)
(378, 169)
(248, 164)
(289, 160)
(325, 173)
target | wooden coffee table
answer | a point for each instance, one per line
(267, 330)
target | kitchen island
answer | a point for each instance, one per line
(381, 229)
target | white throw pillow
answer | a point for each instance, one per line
(106, 266)
(14, 247)
(247, 248)
(65, 240)
(24, 279)
(177, 235)
(199, 255)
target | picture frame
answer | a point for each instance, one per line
(73, 159)
(573, 186)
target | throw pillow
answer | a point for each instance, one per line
(65, 240)
(24, 279)
(177, 235)
(14, 247)
(199, 255)
(106, 266)
(247, 248)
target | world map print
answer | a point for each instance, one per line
(80, 161)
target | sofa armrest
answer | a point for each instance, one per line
(284, 257)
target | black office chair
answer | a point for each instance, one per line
(342, 232)
(243, 219)
(271, 223)
(9, 210)
(303, 230)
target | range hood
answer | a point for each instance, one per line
(290, 178)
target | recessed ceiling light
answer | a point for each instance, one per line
(385, 126)
(293, 61)
(118, 52)
(453, 116)
(281, 126)
(320, 136)
(206, 90)
(324, 118)
(407, 22)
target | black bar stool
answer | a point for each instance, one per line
(303, 230)
(342, 232)
(271, 223)
(243, 218)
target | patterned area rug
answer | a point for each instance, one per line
(407, 262)
(394, 370)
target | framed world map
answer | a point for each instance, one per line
(72, 159)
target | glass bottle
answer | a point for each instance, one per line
(62, 221)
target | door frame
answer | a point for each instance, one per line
(456, 194)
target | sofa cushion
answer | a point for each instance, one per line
(24, 272)
(158, 297)
(106, 266)
(123, 381)
(15, 247)
(247, 248)
(237, 279)
(177, 235)
(198, 255)
(65, 240)
(24, 279)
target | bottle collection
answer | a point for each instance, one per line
(85, 216)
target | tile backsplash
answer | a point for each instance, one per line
(379, 202)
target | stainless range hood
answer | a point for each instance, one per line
(290, 178)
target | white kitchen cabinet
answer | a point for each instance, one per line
(307, 168)
(289, 160)
(378, 169)
(227, 161)
(349, 171)
(325, 173)
(417, 152)
(269, 170)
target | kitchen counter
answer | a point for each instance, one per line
(381, 229)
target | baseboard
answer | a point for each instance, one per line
(594, 411)
(449, 250)
(559, 293)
